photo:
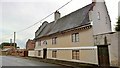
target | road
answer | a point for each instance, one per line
(15, 61)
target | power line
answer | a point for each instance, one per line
(43, 18)
(8, 36)
(64, 5)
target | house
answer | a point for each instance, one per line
(30, 44)
(71, 37)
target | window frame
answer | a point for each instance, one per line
(45, 42)
(75, 37)
(54, 40)
(76, 54)
(39, 52)
(54, 54)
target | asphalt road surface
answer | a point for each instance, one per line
(14, 61)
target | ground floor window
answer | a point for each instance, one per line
(39, 53)
(75, 54)
(54, 54)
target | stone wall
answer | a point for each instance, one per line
(115, 49)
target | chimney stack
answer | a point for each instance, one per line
(56, 15)
(93, 0)
(98, 1)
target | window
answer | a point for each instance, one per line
(54, 40)
(54, 54)
(75, 37)
(45, 42)
(39, 53)
(98, 15)
(75, 54)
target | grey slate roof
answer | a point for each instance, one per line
(38, 32)
(75, 19)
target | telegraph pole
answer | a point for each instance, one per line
(14, 38)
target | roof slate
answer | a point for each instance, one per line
(75, 19)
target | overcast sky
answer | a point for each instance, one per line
(16, 15)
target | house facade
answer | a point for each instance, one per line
(71, 38)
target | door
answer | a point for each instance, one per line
(45, 53)
(103, 55)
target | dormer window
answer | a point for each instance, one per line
(98, 15)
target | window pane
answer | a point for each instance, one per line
(73, 37)
(77, 37)
(54, 40)
(45, 42)
(75, 54)
(54, 54)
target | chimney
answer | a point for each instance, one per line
(56, 15)
(93, 1)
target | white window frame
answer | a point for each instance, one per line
(54, 40)
(75, 37)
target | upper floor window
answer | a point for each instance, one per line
(75, 37)
(45, 42)
(54, 40)
(98, 16)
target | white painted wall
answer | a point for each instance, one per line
(102, 25)
(87, 54)
(31, 53)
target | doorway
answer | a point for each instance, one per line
(103, 55)
(45, 53)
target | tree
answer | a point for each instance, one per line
(118, 24)
(7, 44)
(0, 46)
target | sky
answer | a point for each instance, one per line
(16, 15)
